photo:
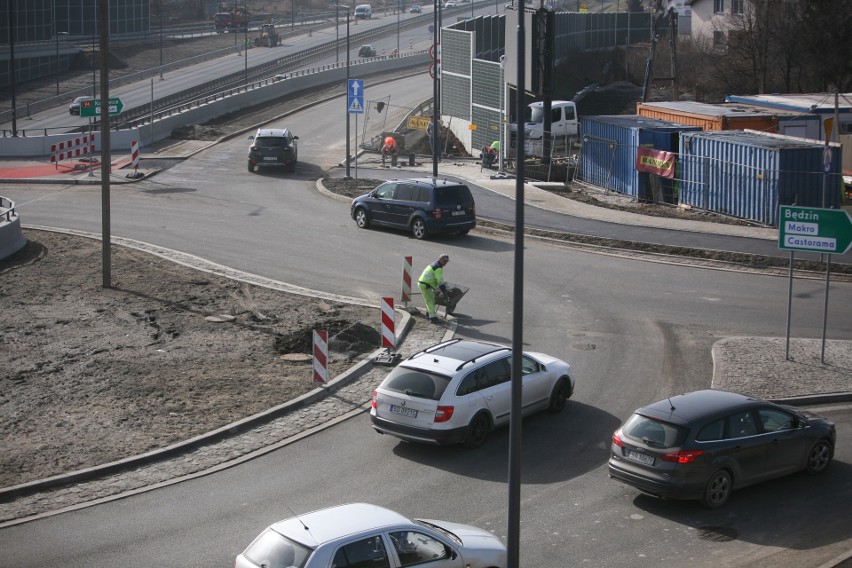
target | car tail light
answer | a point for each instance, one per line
(436, 213)
(616, 439)
(375, 402)
(473, 209)
(444, 413)
(683, 456)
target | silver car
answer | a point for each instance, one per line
(359, 535)
(457, 391)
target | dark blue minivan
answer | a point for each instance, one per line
(424, 206)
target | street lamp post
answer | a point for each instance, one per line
(58, 67)
(398, 10)
(94, 75)
(337, 33)
(161, 40)
(347, 92)
(502, 153)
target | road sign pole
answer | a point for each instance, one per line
(91, 174)
(825, 307)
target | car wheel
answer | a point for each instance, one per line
(418, 229)
(561, 393)
(718, 490)
(250, 168)
(819, 457)
(477, 430)
(464, 231)
(361, 218)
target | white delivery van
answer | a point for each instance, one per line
(563, 123)
(363, 11)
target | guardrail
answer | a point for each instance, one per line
(255, 73)
(7, 211)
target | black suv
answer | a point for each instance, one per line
(423, 206)
(273, 147)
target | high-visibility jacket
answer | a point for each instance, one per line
(433, 275)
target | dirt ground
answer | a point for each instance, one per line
(91, 375)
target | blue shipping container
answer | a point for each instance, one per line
(748, 174)
(609, 150)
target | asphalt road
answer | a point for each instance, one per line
(634, 331)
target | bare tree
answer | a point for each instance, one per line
(826, 25)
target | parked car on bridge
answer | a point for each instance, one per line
(74, 107)
(416, 9)
(367, 51)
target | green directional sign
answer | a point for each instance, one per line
(814, 230)
(92, 107)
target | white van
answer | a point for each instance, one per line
(363, 11)
(563, 120)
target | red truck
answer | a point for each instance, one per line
(230, 21)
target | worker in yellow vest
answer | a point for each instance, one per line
(432, 279)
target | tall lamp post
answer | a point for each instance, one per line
(58, 67)
(10, 15)
(161, 39)
(347, 92)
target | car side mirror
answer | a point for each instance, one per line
(295, 137)
(251, 137)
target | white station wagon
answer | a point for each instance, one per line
(457, 391)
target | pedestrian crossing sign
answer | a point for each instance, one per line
(355, 96)
(356, 106)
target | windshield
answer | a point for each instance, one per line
(534, 115)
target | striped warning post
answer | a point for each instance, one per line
(320, 355)
(134, 154)
(406, 279)
(388, 321)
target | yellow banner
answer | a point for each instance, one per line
(419, 122)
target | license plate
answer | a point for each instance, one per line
(410, 412)
(641, 458)
(458, 213)
(270, 159)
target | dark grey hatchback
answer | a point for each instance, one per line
(704, 444)
(423, 206)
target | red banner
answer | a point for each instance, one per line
(656, 162)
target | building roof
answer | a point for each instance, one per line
(818, 103)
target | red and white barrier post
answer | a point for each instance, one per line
(406, 280)
(389, 357)
(134, 156)
(321, 356)
(388, 324)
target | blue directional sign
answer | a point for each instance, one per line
(355, 96)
